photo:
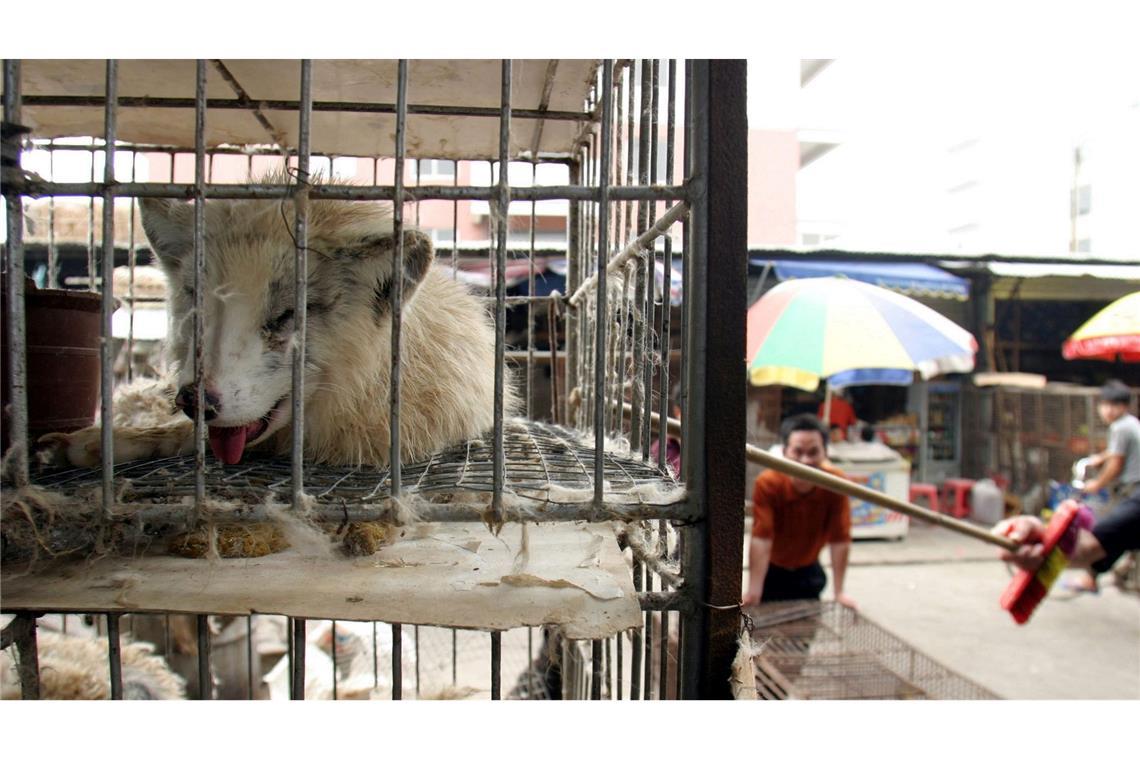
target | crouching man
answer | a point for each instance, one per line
(791, 521)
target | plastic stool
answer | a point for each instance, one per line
(924, 489)
(956, 496)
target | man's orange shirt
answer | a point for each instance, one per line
(798, 524)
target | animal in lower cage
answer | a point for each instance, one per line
(447, 357)
(72, 667)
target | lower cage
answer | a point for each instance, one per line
(252, 657)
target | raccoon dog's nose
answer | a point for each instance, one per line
(185, 400)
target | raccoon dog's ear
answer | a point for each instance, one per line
(169, 226)
(378, 252)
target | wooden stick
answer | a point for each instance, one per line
(843, 486)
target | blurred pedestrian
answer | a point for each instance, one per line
(840, 417)
(1118, 468)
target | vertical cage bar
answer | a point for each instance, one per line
(650, 261)
(621, 152)
(297, 689)
(496, 665)
(649, 640)
(503, 209)
(666, 350)
(667, 286)
(132, 259)
(115, 655)
(23, 630)
(584, 382)
(573, 323)
(205, 680)
(608, 674)
(375, 656)
(397, 661)
(397, 282)
(289, 651)
(454, 656)
(636, 650)
(17, 335)
(663, 673)
(199, 286)
(91, 265)
(596, 669)
(718, 250)
(600, 311)
(686, 272)
(416, 640)
(615, 355)
(300, 284)
(630, 158)
(620, 670)
(53, 253)
(332, 647)
(249, 694)
(639, 324)
(107, 304)
(530, 302)
(679, 671)
(619, 346)
(455, 225)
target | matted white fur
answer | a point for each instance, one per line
(76, 668)
(743, 679)
(447, 356)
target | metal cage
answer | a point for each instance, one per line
(654, 155)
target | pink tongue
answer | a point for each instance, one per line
(227, 443)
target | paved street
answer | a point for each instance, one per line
(939, 591)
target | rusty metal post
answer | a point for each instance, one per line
(717, 139)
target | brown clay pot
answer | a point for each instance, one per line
(62, 328)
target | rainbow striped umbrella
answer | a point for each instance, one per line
(849, 332)
(1112, 332)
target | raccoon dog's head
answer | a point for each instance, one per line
(248, 298)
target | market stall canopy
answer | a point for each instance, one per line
(1113, 332)
(1063, 282)
(803, 331)
(909, 278)
(64, 98)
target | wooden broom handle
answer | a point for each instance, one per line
(844, 486)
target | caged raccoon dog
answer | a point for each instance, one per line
(447, 357)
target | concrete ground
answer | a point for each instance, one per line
(939, 591)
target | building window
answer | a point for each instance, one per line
(1084, 245)
(1082, 199)
(816, 238)
(433, 169)
(441, 235)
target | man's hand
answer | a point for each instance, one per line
(846, 601)
(1028, 532)
(751, 598)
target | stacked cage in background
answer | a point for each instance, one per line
(1030, 436)
(654, 226)
(822, 650)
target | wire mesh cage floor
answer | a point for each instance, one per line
(539, 456)
(548, 475)
(823, 650)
